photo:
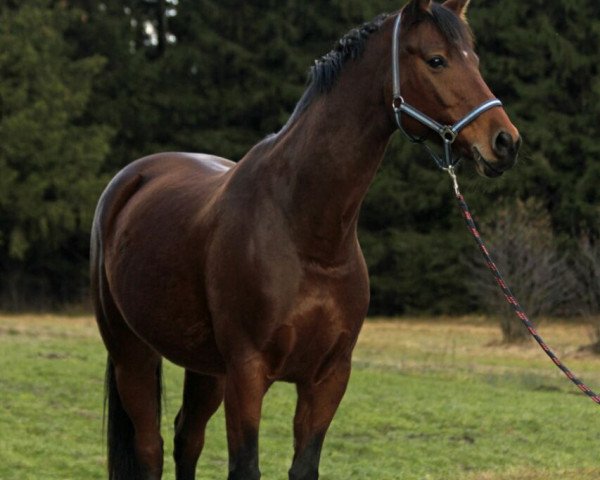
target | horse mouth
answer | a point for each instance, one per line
(483, 167)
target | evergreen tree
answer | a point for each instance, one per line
(543, 59)
(86, 87)
(49, 160)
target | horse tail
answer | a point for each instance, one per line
(122, 459)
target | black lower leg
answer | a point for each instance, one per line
(306, 462)
(243, 463)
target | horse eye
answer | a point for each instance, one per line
(437, 62)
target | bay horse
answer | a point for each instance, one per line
(249, 273)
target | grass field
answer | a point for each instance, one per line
(428, 400)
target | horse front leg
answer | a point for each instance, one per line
(245, 387)
(317, 404)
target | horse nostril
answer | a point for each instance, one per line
(504, 146)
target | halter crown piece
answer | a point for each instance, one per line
(448, 133)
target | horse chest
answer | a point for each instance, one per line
(320, 330)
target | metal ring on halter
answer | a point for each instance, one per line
(448, 134)
(397, 106)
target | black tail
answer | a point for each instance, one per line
(122, 459)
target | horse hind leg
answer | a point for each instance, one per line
(202, 396)
(133, 382)
(135, 447)
(133, 391)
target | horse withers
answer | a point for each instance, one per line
(250, 273)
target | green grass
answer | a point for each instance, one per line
(434, 400)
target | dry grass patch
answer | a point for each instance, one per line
(472, 344)
(521, 474)
(48, 325)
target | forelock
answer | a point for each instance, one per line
(455, 30)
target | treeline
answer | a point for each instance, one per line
(87, 86)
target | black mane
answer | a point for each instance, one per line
(326, 70)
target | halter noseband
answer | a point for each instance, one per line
(448, 133)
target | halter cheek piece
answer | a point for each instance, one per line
(448, 133)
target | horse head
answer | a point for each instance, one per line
(439, 76)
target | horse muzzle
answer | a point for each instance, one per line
(505, 149)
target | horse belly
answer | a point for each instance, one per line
(169, 314)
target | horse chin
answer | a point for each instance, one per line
(483, 167)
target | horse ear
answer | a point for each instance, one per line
(459, 7)
(420, 6)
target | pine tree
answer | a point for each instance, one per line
(543, 59)
(216, 77)
(49, 160)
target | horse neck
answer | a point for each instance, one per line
(319, 167)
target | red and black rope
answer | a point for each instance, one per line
(513, 301)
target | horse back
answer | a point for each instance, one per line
(178, 170)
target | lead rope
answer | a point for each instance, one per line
(510, 298)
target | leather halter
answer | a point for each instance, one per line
(448, 133)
